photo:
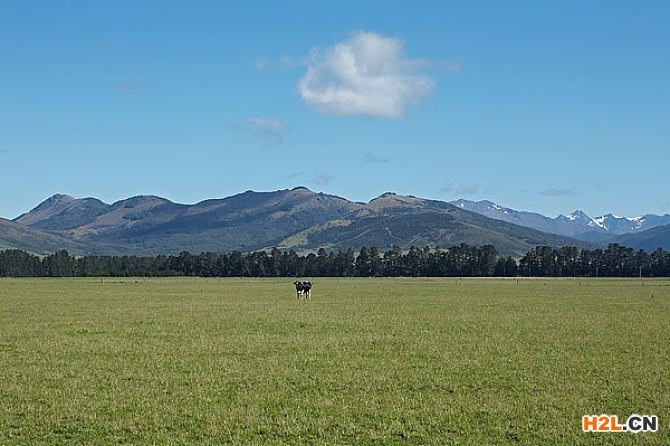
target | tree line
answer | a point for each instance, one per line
(458, 261)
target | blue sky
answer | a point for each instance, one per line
(541, 106)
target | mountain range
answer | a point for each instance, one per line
(303, 220)
(578, 224)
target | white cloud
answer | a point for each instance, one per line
(365, 75)
(274, 124)
(322, 180)
(268, 130)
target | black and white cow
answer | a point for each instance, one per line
(307, 289)
(303, 289)
(299, 289)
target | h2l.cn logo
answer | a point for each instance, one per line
(610, 423)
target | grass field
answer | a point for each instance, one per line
(367, 361)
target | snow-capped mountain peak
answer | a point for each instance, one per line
(484, 207)
(580, 217)
(576, 224)
(623, 225)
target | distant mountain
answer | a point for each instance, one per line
(70, 216)
(293, 219)
(649, 240)
(14, 235)
(405, 221)
(151, 225)
(577, 224)
(243, 222)
(63, 212)
(628, 225)
(580, 218)
(614, 224)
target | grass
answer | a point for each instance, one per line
(366, 362)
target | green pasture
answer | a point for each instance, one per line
(365, 362)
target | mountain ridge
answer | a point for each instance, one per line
(577, 224)
(295, 218)
(649, 240)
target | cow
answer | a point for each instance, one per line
(307, 289)
(299, 288)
